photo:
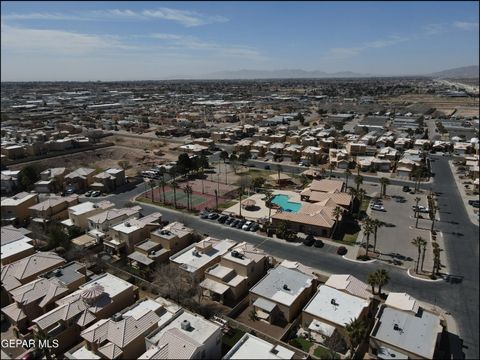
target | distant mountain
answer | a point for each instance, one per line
(272, 74)
(459, 73)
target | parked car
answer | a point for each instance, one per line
(254, 227)
(213, 216)
(247, 225)
(342, 250)
(474, 203)
(406, 189)
(88, 193)
(204, 215)
(377, 207)
(234, 223)
(222, 219)
(309, 240)
(96, 193)
(267, 167)
(229, 221)
(69, 191)
(318, 243)
(240, 224)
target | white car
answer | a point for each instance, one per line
(246, 225)
(377, 207)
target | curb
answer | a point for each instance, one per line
(421, 279)
(359, 261)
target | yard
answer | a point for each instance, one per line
(231, 338)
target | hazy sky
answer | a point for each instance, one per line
(154, 40)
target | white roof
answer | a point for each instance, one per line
(84, 353)
(321, 327)
(16, 247)
(88, 206)
(402, 301)
(191, 259)
(335, 306)
(252, 347)
(17, 199)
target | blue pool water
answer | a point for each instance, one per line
(282, 201)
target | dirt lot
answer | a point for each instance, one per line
(466, 106)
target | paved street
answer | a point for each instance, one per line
(460, 299)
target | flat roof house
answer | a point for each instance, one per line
(237, 271)
(14, 210)
(281, 294)
(404, 330)
(252, 347)
(186, 336)
(97, 299)
(196, 258)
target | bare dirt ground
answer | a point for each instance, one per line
(446, 105)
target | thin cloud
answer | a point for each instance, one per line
(186, 18)
(434, 29)
(465, 25)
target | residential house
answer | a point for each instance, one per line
(251, 347)
(108, 180)
(355, 149)
(281, 294)
(15, 209)
(79, 180)
(38, 296)
(97, 299)
(405, 330)
(16, 244)
(162, 244)
(51, 180)
(78, 215)
(54, 208)
(99, 224)
(9, 181)
(123, 237)
(185, 336)
(23, 271)
(196, 258)
(388, 153)
(237, 271)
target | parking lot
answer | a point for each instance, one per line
(394, 239)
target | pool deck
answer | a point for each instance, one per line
(262, 210)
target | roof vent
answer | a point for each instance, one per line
(274, 351)
(285, 287)
(195, 252)
(396, 327)
(57, 272)
(117, 317)
(185, 325)
(127, 224)
(333, 302)
(95, 206)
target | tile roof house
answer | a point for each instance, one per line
(54, 208)
(16, 244)
(78, 215)
(14, 210)
(100, 223)
(97, 299)
(80, 179)
(51, 180)
(281, 294)
(23, 271)
(186, 336)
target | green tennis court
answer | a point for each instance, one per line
(182, 198)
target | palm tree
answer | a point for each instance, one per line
(418, 242)
(223, 156)
(433, 213)
(41, 351)
(360, 193)
(382, 279)
(331, 167)
(358, 181)
(358, 167)
(424, 249)
(372, 280)
(268, 202)
(151, 183)
(304, 180)
(367, 230)
(279, 170)
(436, 258)
(162, 184)
(216, 199)
(240, 194)
(384, 182)
(185, 190)
(417, 200)
(376, 225)
(174, 187)
(356, 331)
(353, 194)
(337, 212)
(347, 175)
(322, 172)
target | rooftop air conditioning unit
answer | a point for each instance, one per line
(185, 325)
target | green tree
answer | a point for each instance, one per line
(367, 230)
(358, 181)
(279, 170)
(174, 187)
(57, 237)
(184, 163)
(424, 249)
(417, 200)
(361, 194)
(337, 212)
(355, 331)
(233, 162)
(162, 184)
(376, 225)
(418, 243)
(347, 175)
(433, 213)
(382, 279)
(258, 182)
(216, 199)
(304, 180)
(240, 194)
(268, 201)
(28, 176)
(372, 280)
(384, 183)
(243, 157)
(331, 167)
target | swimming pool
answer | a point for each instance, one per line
(282, 201)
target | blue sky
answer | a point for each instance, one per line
(155, 40)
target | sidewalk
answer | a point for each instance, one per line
(461, 188)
